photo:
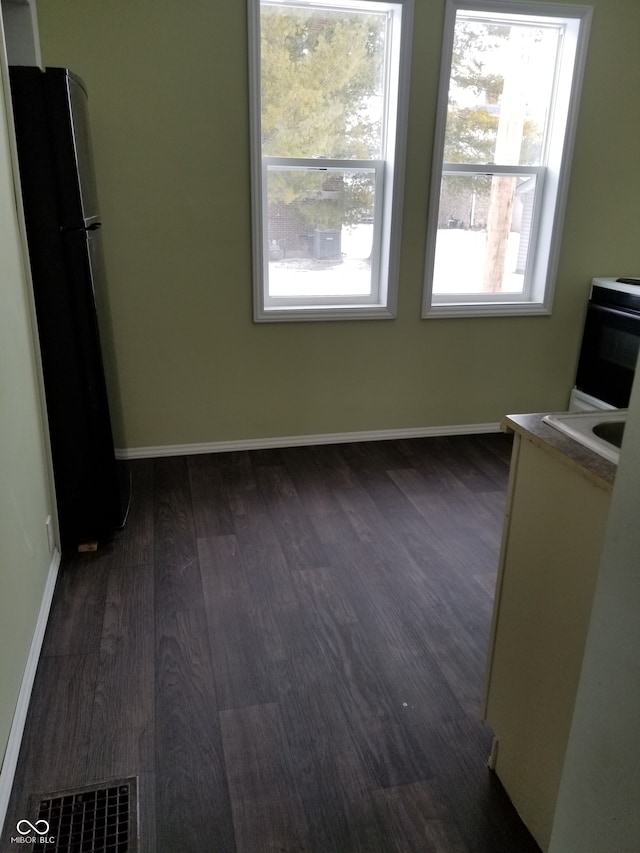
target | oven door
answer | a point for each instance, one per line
(609, 354)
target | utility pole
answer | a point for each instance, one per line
(507, 153)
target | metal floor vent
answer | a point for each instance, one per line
(96, 819)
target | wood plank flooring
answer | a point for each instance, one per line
(288, 648)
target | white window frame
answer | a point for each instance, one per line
(328, 165)
(552, 179)
(389, 177)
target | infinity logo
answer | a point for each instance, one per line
(40, 826)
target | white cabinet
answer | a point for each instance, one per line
(554, 530)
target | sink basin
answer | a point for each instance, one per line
(599, 431)
(611, 431)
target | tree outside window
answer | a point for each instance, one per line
(505, 117)
(328, 120)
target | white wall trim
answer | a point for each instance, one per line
(302, 440)
(22, 706)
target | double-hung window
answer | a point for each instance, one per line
(328, 91)
(509, 89)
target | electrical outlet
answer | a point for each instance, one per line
(50, 539)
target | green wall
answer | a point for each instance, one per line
(24, 481)
(169, 104)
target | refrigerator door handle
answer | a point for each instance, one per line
(65, 229)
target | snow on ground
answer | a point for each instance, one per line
(458, 267)
(350, 276)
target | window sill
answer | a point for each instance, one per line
(478, 309)
(297, 314)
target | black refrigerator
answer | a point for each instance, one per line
(63, 224)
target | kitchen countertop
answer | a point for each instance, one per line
(590, 464)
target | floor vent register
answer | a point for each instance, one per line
(96, 819)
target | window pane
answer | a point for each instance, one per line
(322, 82)
(320, 231)
(500, 91)
(484, 230)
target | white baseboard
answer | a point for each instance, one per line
(302, 440)
(22, 706)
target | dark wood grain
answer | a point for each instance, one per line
(460, 458)
(483, 815)
(335, 470)
(177, 584)
(318, 591)
(340, 665)
(123, 720)
(147, 813)
(265, 561)
(222, 570)
(332, 774)
(242, 593)
(417, 819)
(456, 537)
(297, 537)
(242, 655)
(474, 455)
(268, 814)
(311, 480)
(287, 647)
(135, 543)
(244, 496)
(211, 509)
(75, 621)
(192, 799)
(65, 685)
(495, 444)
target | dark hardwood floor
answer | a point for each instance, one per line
(287, 648)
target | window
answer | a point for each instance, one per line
(328, 127)
(510, 81)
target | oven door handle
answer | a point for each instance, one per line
(624, 314)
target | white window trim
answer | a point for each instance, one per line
(542, 265)
(328, 165)
(392, 168)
